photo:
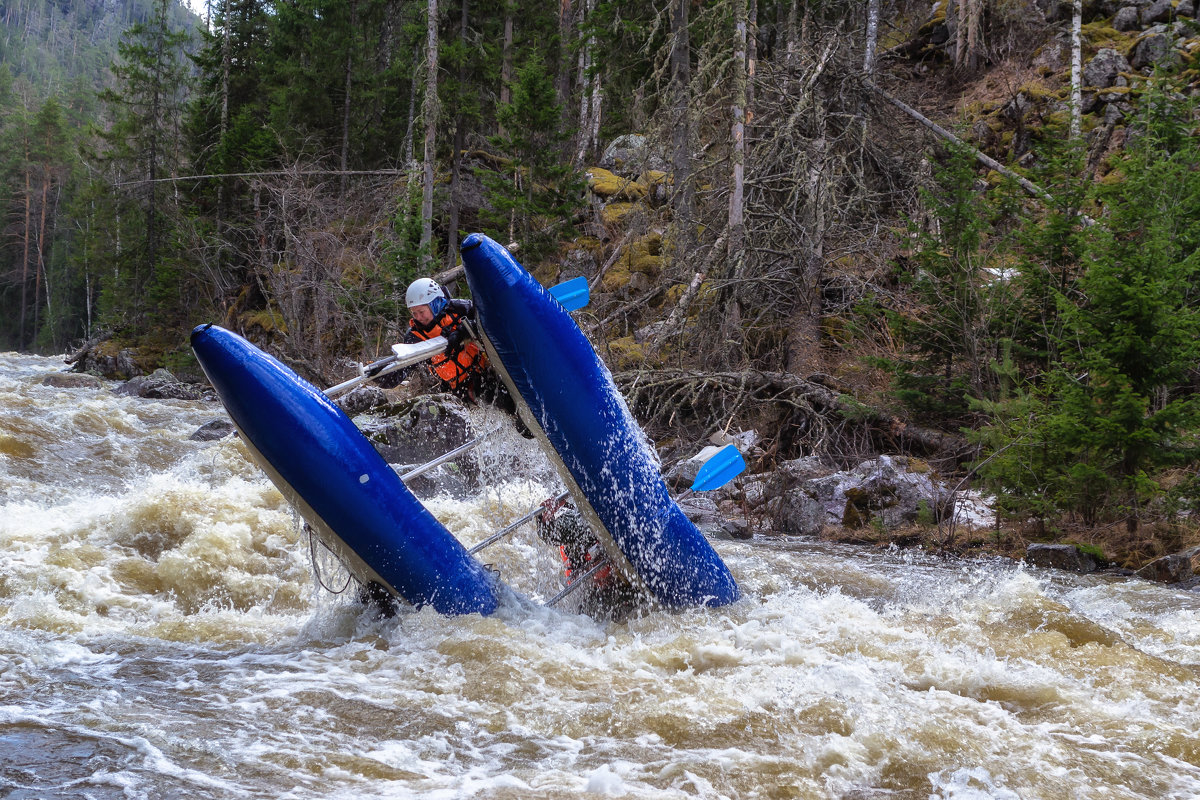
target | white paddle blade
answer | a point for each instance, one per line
(408, 354)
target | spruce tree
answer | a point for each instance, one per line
(144, 145)
(1020, 460)
(947, 332)
(1103, 399)
(1124, 402)
(535, 197)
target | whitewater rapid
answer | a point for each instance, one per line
(162, 634)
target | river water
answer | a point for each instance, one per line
(162, 635)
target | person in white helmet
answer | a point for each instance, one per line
(463, 368)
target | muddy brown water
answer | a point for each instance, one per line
(162, 634)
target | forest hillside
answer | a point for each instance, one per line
(962, 230)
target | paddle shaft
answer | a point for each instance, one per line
(500, 534)
(442, 459)
(575, 584)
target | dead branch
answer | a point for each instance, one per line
(828, 422)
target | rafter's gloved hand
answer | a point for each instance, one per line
(455, 339)
(461, 307)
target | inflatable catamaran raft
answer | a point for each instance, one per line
(365, 514)
(566, 396)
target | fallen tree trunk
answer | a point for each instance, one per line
(1032, 189)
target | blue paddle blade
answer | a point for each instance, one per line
(719, 470)
(572, 294)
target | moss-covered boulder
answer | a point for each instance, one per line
(616, 279)
(267, 321)
(656, 184)
(608, 186)
(643, 256)
(625, 353)
(614, 213)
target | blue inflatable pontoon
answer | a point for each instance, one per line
(567, 398)
(339, 483)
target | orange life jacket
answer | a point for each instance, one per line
(603, 577)
(452, 371)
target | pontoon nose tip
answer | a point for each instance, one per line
(472, 241)
(199, 329)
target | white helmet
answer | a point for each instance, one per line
(424, 292)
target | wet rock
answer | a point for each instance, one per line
(211, 431)
(1156, 12)
(419, 431)
(1174, 568)
(706, 515)
(364, 398)
(1060, 556)
(1103, 69)
(71, 380)
(101, 358)
(797, 511)
(158, 385)
(754, 491)
(1186, 8)
(790, 505)
(894, 489)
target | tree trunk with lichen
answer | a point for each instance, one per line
(429, 110)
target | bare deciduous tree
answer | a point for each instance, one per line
(872, 36)
(683, 197)
(737, 224)
(1076, 69)
(429, 109)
